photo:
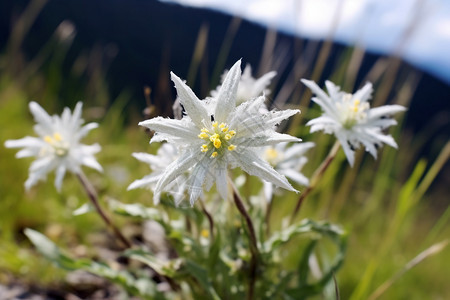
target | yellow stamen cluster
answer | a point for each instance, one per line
(352, 112)
(272, 156)
(356, 104)
(217, 139)
(59, 145)
(204, 233)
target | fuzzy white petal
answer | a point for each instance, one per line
(253, 165)
(197, 178)
(268, 190)
(60, 172)
(322, 98)
(333, 90)
(145, 181)
(27, 141)
(387, 139)
(272, 138)
(349, 153)
(175, 169)
(91, 162)
(385, 110)
(296, 176)
(178, 129)
(222, 180)
(226, 99)
(262, 82)
(86, 128)
(41, 116)
(364, 93)
(152, 160)
(298, 150)
(323, 120)
(195, 108)
(27, 152)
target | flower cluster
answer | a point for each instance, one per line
(166, 154)
(350, 118)
(218, 134)
(249, 87)
(58, 145)
(233, 128)
(287, 161)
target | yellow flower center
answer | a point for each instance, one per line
(204, 233)
(217, 141)
(272, 156)
(352, 111)
(60, 146)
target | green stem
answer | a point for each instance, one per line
(253, 241)
(209, 217)
(315, 178)
(94, 199)
(268, 213)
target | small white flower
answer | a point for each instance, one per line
(249, 87)
(288, 162)
(210, 143)
(166, 154)
(58, 145)
(350, 118)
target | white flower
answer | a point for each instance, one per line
(288, 162)
(58, 145)
(211, 143)
(166, 154)
(350, 118)
(249, 87)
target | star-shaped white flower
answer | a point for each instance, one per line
(287, 161)
(350, 118)
(210, 144)
(166, 154)
(58, 145)
(249, 87)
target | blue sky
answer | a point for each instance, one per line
(418, 30)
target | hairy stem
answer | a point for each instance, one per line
(253, 242)
(209, 217)
(90, 191)
(315, 178)
(268, 213)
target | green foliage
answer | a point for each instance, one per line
(142, 286)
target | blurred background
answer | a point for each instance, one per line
(116, 56)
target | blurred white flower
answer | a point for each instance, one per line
(58, 145)
(166, 154)
(287, 161)
(350, 118)
(210, 142)
(249, 87)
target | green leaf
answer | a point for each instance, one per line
(47, 248)
(175, 269)
(281, 287)
(83, 209)
(305, 226)
(166, 268)
(134, 210)
(303, 269)
(320, 230)
(143, 287)
(202, 277)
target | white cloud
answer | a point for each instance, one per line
(379, 25)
